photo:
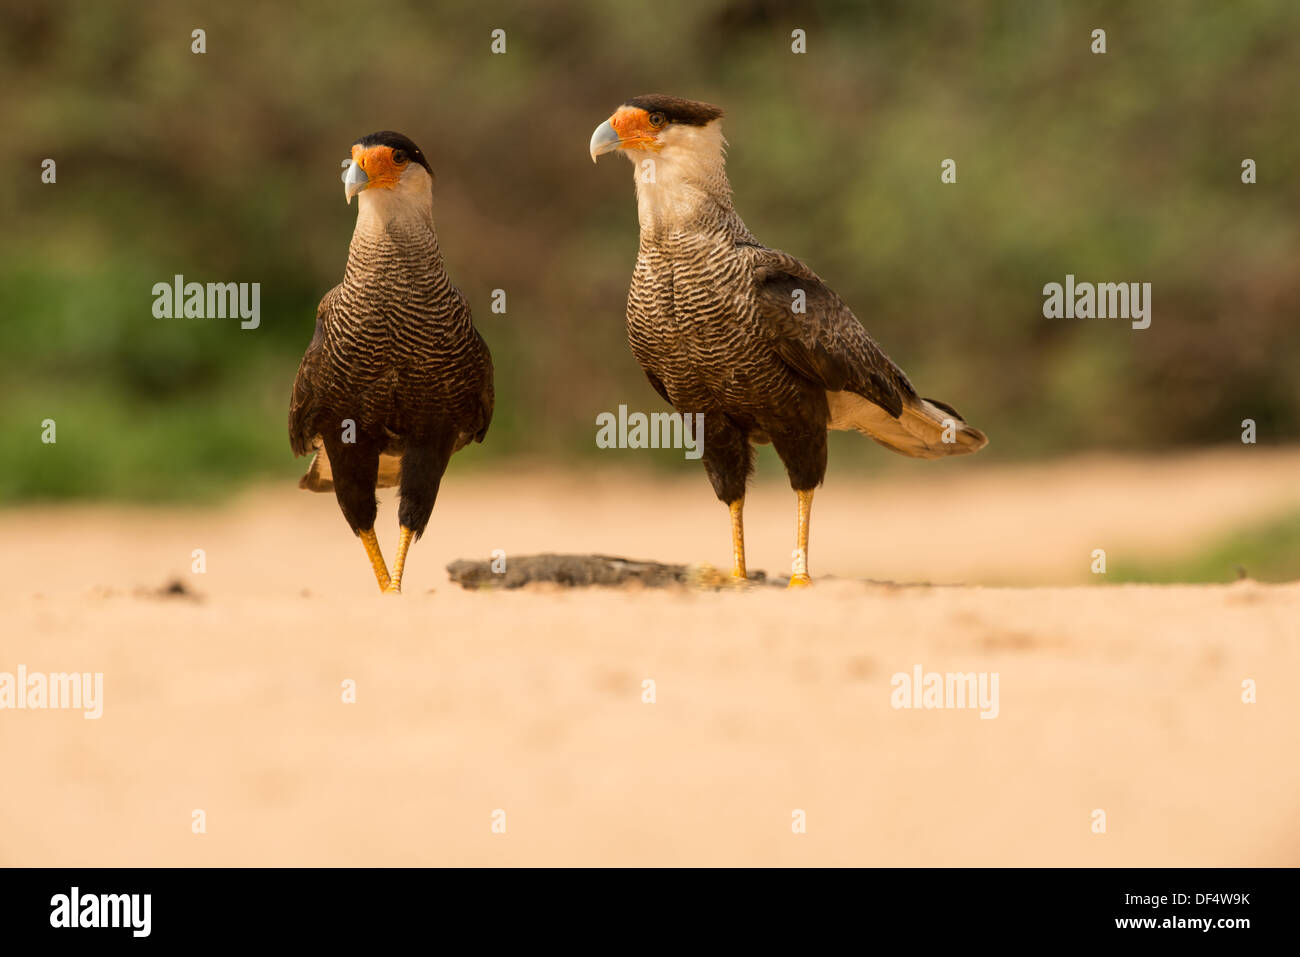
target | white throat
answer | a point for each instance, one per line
(683, 179)
(407, 204)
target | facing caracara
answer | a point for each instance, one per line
(396, 378)
(748, 335)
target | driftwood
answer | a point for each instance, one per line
(580, 571)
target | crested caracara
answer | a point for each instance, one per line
(396, 378)
(748, 335)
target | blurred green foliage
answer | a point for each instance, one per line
(224, 167)
(1265, 551)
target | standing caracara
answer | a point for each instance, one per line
(396, 378)
(745, 334)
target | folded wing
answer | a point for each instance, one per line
(816, 334)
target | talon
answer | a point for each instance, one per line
(799, 581)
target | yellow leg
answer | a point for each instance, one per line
(369, 540)
(799, 567)
(738, 540)
(399, 563)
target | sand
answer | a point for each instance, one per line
(527, 709)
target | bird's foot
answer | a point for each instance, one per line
(369, 540)
(799, 580)
(394, 587)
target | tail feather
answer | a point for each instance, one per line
(926, 428)
(320, 477)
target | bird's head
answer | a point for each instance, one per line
(386, 161)
(658, 124)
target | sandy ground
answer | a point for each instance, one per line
(1120, 698)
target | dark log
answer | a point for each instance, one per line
(577, 571)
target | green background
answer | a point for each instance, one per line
(1121, 167)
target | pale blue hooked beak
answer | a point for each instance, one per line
(604, 140)
(354, 180)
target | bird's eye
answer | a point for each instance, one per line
(399, 157)
(347, 163)
(657, 120)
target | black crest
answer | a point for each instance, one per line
(398, 142)
(688, 112)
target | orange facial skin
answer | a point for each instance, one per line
(635, 129)
(377, 161)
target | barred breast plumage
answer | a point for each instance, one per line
(399, 350)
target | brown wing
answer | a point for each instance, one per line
(476, 364)
(825, 343)
(486, 396)
(302, 402)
